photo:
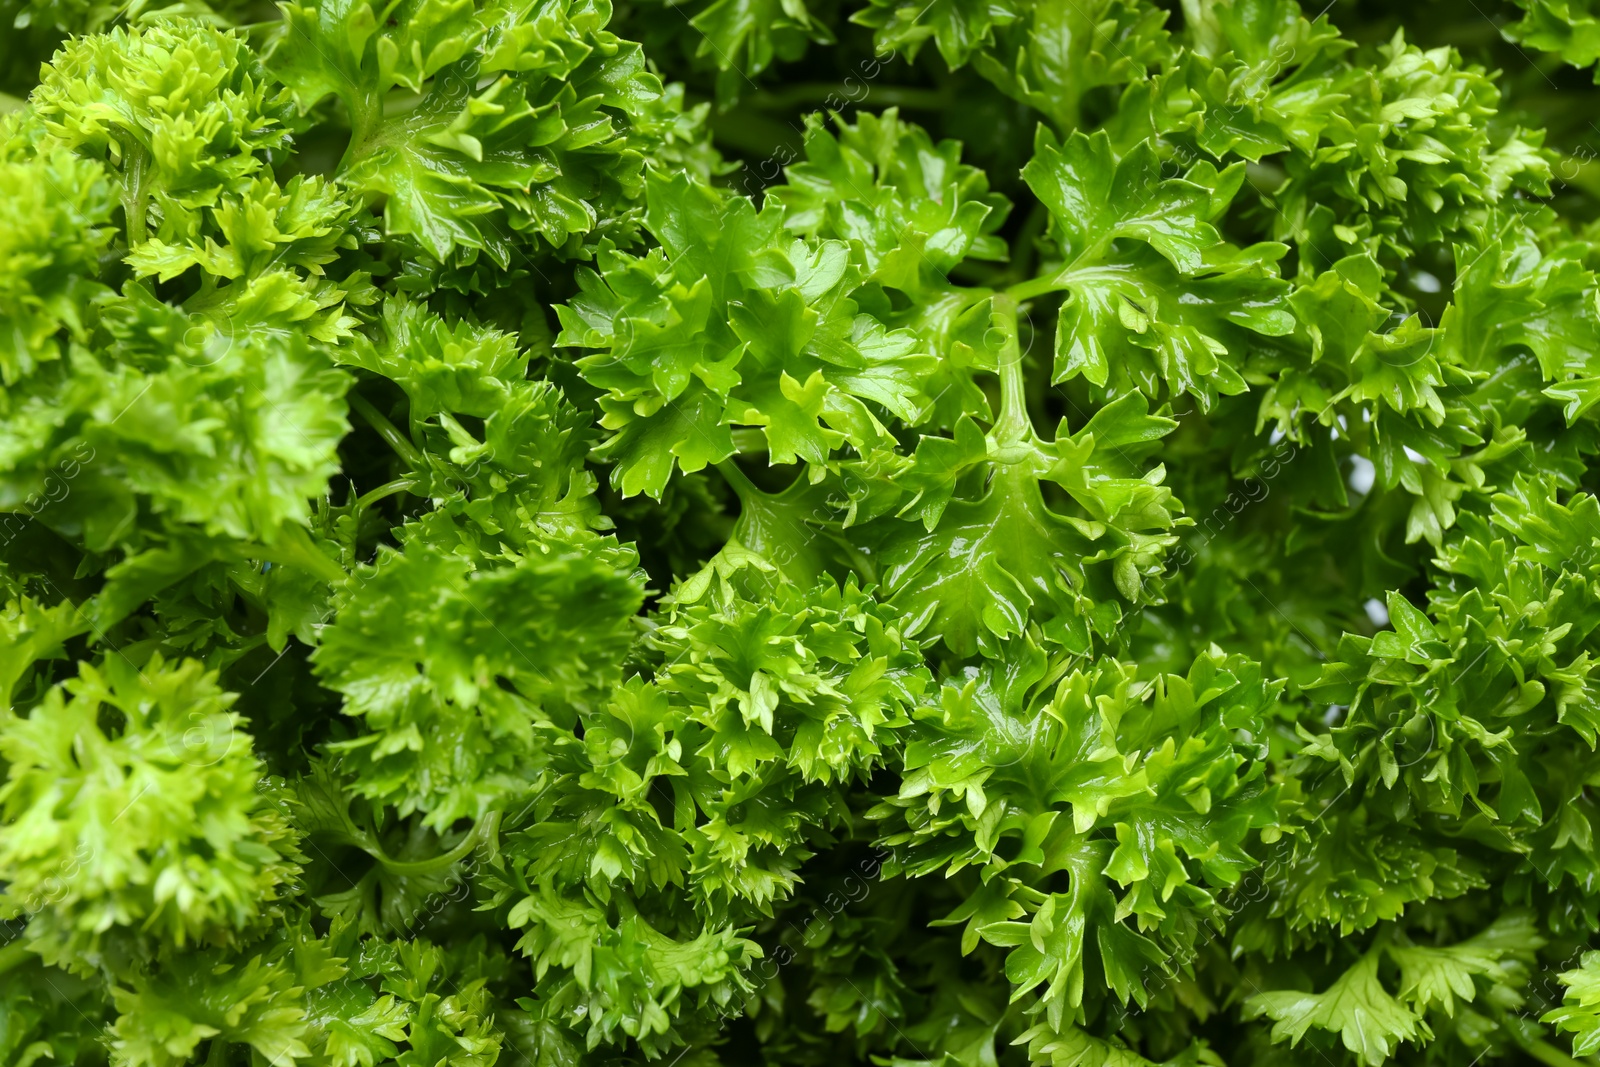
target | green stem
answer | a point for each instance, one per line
(14, 955)
(737, 480)
(133, 201)
(217, 1055)
(303, 553)
(389, 432)
(486, 829)
(1013, 426)
(1028, 237)
(366, 114)
(906, 96)
(1545, 1052)
(759, 137)
(1061, 276)
(1581, 173)
(1034, 287)
(490, 838)
(294, 549)
(388, 489)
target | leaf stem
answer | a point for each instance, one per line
(1028, 239)
(294, 549)
(1034, 287)
(1545, 1052)
(389, 432)
(1013, 425)
(133, 200)
(305, 554)
(366, 113)
(388, 489)
(486, 829)
(737, 480)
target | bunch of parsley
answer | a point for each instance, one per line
(926, 533)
